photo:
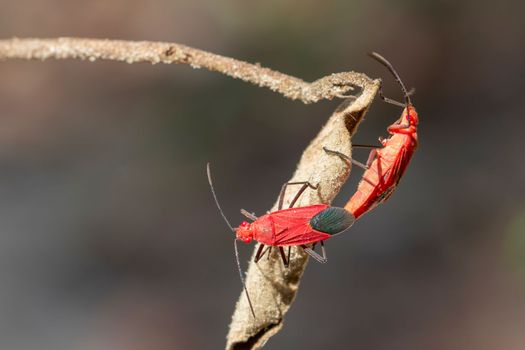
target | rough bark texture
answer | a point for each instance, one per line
(328, 87)
(272, 287)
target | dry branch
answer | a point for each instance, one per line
(328, 87)
(272, 287)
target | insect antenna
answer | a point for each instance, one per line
(242, 278)
(388, 65)
(215, 197)
(234, 240)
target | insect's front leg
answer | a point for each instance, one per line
(389, 100)
(305, 185)
(261, 252)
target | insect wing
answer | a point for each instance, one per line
(292, 226)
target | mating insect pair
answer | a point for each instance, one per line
(307, 225)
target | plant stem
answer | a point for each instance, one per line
(328, 87)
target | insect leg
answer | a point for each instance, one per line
(303, 188)
(259, 254)
(323, 251)
(366, 146)
(283, 256)
(360, 165)
(347, 158)
(379, 169)
(389, 100)
(373, 154)
(313, 254)
(300, 192)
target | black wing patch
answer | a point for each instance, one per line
(332, 220)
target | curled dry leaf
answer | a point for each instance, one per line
(273, 287)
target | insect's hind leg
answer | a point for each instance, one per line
(323, 251)
(319, 258)
(305, 185)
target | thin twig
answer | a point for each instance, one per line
(273, 287)
(328, 87)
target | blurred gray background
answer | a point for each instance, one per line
(109, 238)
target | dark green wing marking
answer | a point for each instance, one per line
(332, 220)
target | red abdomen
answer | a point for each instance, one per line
(381, 179)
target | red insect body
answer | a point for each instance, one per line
(386, 165)
(287, 227)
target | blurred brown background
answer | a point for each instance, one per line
(109, 236)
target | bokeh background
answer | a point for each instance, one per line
(109, 238)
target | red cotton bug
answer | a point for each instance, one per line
(299, 226)
(385, 165)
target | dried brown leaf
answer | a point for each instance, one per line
(273, 287)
